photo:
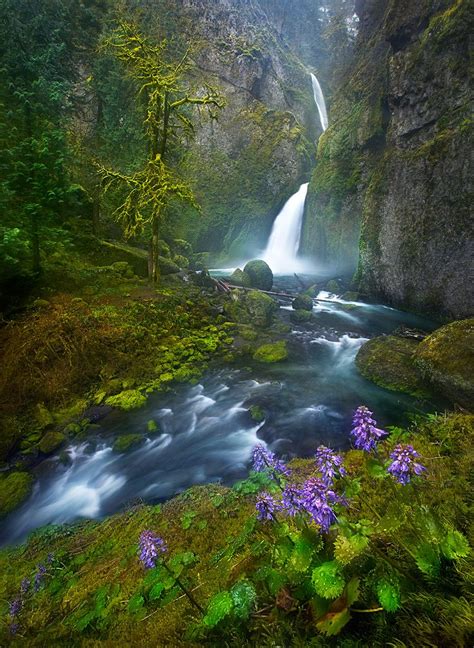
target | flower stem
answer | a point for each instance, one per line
(184, 589)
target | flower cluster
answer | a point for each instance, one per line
(266, 507)
(404, 465)
(150, 547)
(365, 433)
(263, 459)
(329, 464)
(17, 604)
(39, 577)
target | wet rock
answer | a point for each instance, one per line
(252, 307)
(446, 359)
(127, 441)
(388, 362)
(257, 413)
(260, 274)
(273, 352)
(302, 302)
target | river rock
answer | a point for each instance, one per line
(51, 441)
(14, 489)
(251, 307)
(240, 278)
(260, 274)
(446, 359)
(273, 352)
(388, 361)
(302, 302)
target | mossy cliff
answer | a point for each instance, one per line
(390, 192)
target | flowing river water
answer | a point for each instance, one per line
(206, 433)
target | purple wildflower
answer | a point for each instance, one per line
(15, 606)
(150, 546)
(404, 466)
(329, 464)
(14, 628)
(264, 459)
(316, 500)
(365, 433)
(49, 558)
(291, 499)
(25, 585)
(40, 574)
(266, 506)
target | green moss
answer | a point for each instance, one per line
(152, 427)
(43, 416)
(257, 413)
(126, 441)
(240, 278)
(273, 352)
(127, 400)
(302, 302)
(387, 361)
(260, 274)
(251, 307)
(301, 316)
(51, 441)
(14, 489)
(333, 286)
(446, 357)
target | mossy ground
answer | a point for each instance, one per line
(97, 592)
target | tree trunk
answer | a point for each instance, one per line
(95, 216)
(155, 268)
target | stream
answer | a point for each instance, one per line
(206, 433)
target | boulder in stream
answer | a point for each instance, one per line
(260, 274)
(273, 352)
(302, 302)
(446, 359)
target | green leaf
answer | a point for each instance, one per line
(388, 593)
(244, 597)
(352, 591)
(187, 519)
(85, 621)
(156, 591)
(220, 606)
(327, 580)
(333, 622)
(302, 555)
(375, 469)
(136, 603)
(427, 559)
(101, 599)
(348, 548)
(455, 545)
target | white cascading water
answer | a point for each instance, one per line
(281, 252)
(320, 103)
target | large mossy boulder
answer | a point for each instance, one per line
(51, 441)
(127, 400)
(273, 352)
(301, 316)
(240, 278)
(302, 302)
(108, 253)
(260, 274)
(388, 361)
(14, 489)
(446, 359)
(251, 307)
(167, 266)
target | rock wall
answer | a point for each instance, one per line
(391, 191)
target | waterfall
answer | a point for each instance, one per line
(320, 103)
(284, 242)
(281, 252)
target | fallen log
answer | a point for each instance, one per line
(277, 294)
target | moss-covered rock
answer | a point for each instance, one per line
(106, 252)
(260, 274)
(123, 268)
(302, 302)
(127, 400)
(252, 307)
(180, 246)
(51, 441)
(350, 296)
(301, 316)
(167, 266)
(164, 249)
(14, 489)
(152, 427)
(333, 286)
(126, 441)
(181, 261)
(43, 416)
(446, 359)
(240, 278)
(273, 352)
(257, 414)
(387, 361)
(200, 261)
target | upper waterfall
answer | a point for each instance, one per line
(320, 103)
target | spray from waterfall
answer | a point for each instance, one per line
(281, 252)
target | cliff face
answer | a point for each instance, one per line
(245, 164)
(391, 189)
